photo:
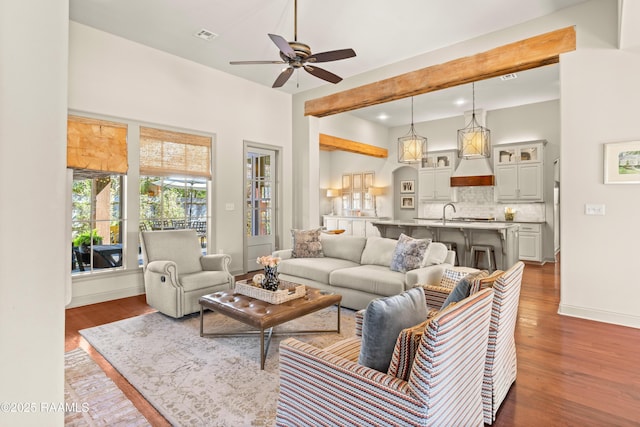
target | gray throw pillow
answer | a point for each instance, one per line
(384, 318)
(408, 254)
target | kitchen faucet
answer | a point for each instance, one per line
(444, 216)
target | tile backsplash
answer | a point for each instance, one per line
(478, 202)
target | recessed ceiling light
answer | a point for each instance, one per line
(205, 34)
(382, 116)
(460, 101)
(509, 76)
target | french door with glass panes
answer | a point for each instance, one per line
(260, 204)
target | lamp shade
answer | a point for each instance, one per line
(412, 148)
(332, 192)
(376, 191)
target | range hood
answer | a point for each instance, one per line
(473, 173)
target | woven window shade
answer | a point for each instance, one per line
(96, 145)
(166, 153)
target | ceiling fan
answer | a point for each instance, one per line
(298, 55)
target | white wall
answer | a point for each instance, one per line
(34, 259)
(599, 253)
(115, 77)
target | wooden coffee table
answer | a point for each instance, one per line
(264, 316)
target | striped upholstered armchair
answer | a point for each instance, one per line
(318, 387)
(501, 365)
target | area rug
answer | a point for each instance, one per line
(205, 381)
(92, 398)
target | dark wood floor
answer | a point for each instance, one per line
(571, 372)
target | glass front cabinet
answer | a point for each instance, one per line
(519, 172)
(434, 176)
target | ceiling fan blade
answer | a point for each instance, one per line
(255, 62)
(283, 45)
(283, 77)
(323, 74)
(333, 55)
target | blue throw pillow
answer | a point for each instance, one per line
(459, 292)
(384, 318)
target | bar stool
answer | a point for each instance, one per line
(489, 251)
(452, 247)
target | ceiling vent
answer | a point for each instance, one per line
(509, 76)
(205, 35)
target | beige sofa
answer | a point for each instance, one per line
(358, 268)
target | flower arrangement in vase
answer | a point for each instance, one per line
(270, 264)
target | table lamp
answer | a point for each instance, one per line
(373, 192)
(332, 193)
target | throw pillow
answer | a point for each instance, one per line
(405, 350)
(408, 253)
(384, 318)
(451, 277)
(436, 254)
(463, 287)
(481, 283)
(306, 244)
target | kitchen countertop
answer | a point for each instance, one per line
(437, 223)
(454, 219)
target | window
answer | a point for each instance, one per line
(96, 222)
(175, 170)
(97, 153)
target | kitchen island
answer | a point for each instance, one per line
(502, 236)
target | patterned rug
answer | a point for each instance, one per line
(205, 381)
(91, 398)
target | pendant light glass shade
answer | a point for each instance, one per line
(474, 141)
(412, 148)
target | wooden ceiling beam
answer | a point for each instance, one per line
(332, 143)
(522, 55)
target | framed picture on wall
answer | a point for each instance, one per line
(346, 183)
(407, 186)
(406, 202)
(622, 163)
(357, 181)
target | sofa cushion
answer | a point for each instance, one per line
(436, 254)
(316, 269)
(408, 253)
(384, 318)
(306, 243)
(463, 287)
(203, 279)
(378, 251)
(372, 279)
(343, 247)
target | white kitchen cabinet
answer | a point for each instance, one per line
(434, 176)
(530, 246)
(519, 172)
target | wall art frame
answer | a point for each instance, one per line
(622, 162)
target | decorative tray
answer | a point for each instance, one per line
(286, 292)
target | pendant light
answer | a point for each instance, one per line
(474, 141)
(412, 148)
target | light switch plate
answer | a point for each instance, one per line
(229, 206)
(591, 209)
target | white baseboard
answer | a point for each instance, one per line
(95, 298)
(599, 316)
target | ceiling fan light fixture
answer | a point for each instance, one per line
(474, 140)
(412, 148)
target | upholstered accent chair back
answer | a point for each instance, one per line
(501, 364)
(318, 387)
(180, 246)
